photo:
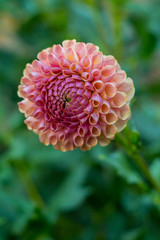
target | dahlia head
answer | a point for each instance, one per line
(74, 96)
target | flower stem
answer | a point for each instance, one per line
(139, 160)
(134, 154)
(30, 186)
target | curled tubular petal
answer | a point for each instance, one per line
(110, 90)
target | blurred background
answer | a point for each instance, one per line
(96, 195)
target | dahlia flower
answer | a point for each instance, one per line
(74, 96)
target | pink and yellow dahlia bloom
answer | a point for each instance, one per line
(74, 96)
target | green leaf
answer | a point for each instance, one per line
(132, 234)
(121, 165)
(71, 193)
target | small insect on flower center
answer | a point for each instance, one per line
(68, 99)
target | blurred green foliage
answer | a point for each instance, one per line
(95, 195)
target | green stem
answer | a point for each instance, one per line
(30, 187)
(139, 160)
(131, 151)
